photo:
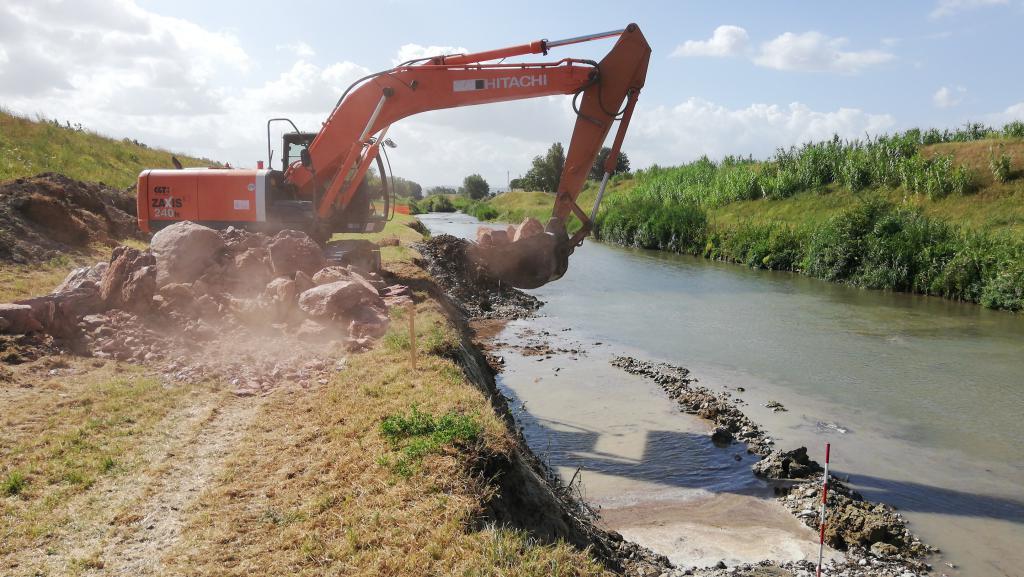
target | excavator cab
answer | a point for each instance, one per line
(371, 206)
(293, 145)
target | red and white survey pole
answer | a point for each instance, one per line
(824, 497)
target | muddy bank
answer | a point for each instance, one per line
(873, 535)
(529, 495)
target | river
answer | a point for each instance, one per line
(921, 398)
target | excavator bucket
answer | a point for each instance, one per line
(529, 262)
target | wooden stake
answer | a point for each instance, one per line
(412, 334)
(824, 498)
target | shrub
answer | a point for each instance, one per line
(1006, 289)
(999, 164)
(644, 222)
(1014, 129)
(835, 250)
(14, 484)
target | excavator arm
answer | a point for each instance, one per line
(606, 91)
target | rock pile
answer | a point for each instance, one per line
(793, 464)
(853, 523)
(213, 302)
(875, 536)
(488, 236)
(731, 423)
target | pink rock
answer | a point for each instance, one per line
(368, 322)
(183, 251)
(292, 251)
(129, 282)
(17, 319)
(339, 299)
(529, 227)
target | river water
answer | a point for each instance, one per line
(921, 398)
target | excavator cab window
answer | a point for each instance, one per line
(294, 144)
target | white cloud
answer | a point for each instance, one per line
(127, 72)
(946, 97)
(727, 40)
(813, 51)
(684, 132)
(109, 54)
(299, 49)
(415, 51)
(950, 7)
(1009, 114)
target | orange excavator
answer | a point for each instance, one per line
(323, 185)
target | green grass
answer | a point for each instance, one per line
(14, 484)
(29, 147)
(419, 434)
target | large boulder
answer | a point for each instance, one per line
(58, 313)
(338, 273)
(82, 276)
(129, 282)
(339, 299)
(251, 270)
(183, 251)
(17, 319)
(793, 464)
(292, 251)
(529, 227)
(368, 322)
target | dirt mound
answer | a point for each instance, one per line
(50, 214)
(482, 296)
(231, 317)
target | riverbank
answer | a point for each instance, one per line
(910, 213)
(875, 538)
(356, 463)
(880, 375)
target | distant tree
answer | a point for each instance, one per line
(621, 166)
(406, 188)
(440, 190)
(517, 184)
(475, 187)
(546, 170)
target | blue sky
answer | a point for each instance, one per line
(725, 78)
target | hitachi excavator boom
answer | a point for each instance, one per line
(323, 186)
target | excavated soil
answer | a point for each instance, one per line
(49, 215)
(480, 296)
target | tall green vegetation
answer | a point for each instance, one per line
(875, 244)
(999, 163)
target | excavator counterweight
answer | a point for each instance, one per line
(324, 187)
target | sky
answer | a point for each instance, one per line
(742, 77)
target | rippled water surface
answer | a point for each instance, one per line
(922, 398)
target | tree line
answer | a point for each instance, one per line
(546, 170)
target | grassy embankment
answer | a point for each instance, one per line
(374, 473)
(29, 147)
(913, 212)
